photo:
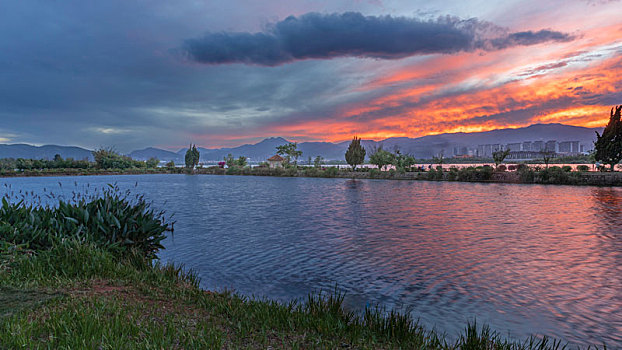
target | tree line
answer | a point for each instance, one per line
(104, 158)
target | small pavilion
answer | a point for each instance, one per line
(276, 161)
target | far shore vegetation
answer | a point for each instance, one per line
(387, 164)
(83, 273)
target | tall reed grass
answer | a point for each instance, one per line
(106, 218)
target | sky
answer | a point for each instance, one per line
(221, 73)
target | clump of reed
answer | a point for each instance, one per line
(107, 218)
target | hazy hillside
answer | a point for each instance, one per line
(421, 147)
(257, 152)
(43, 152)
(151, 152)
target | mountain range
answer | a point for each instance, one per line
(420, 147)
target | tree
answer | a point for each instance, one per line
(108, 158)
(380, 158)
(229, 160)
(290, 151)
(608, 146)
(546, 157)
(152, 162)
(192, 157)
(355, 154)
(24, 164)
(318, 161)
(499, 156)
(171, 164)
(403, 161)
(241, 162)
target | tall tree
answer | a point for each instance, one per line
(192, 157)
(608, 146)
(355, 154)
(290, 151)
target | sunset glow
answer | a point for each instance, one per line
(221, 75)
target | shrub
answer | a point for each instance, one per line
(452, 175)
(233, 170)
(583, 168)
(567, 168)
(501, 167)
(525, 173)
(474, 174)
(554, 175)
(512, 167)
(435, 174)
(331, 172)
(311, 171)
(522, 167)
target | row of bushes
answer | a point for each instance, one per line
(551, 175)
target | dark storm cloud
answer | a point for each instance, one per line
(324, 36)
(529, 38)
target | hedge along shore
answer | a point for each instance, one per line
(552, 175)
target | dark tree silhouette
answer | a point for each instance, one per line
(608, 146)
(355, 154)
(192, 157)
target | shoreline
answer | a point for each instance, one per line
(553, 175)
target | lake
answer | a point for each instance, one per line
(525, 259)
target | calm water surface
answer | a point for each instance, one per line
(526, 259)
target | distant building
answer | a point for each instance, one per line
(569, 147)
(550, 146)
(537, 146)
(460, 151)
(484, 151)
(513, 146)
(525, 155)
(526, 146)
(276, 161)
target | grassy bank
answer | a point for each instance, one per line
(82, 275)
(89, 171)
(520, 174)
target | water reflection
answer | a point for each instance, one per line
(524, 258)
